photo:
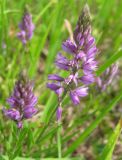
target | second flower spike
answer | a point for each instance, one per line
(22, 101)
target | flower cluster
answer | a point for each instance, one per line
(107, 77)
(80, 66)
(22, 102)
(26, 28)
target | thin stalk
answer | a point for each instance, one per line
(59, 140)
(59, 115)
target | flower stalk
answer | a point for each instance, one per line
(80, 67)
(59, 139)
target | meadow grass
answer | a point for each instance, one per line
(99, 113)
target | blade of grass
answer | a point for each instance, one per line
(108, 150)
(21, 135)
(104, 12)
(50, 106)
(35, 54)
(44, 10)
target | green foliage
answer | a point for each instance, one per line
(38, 137)
(93, 125)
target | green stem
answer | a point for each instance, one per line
(45, 126)
(59, 140)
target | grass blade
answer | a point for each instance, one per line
(108, 150)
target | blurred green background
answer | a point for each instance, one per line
(53, 20)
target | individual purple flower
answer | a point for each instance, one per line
(22, 102)
(19, 125)
(80, 64)
(26, 28)
(75, 99)
(59, 113)
(55, 77)
(62, 62)
(91, 52)
(89, 66)
(107, 77)
(56, 87)
(87, 79)
(77, 93)
(69, 46)
(81, 91)
(53, 86)
(12, 114)
(22, 36)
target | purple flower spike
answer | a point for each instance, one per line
(80, 64)
(22, 102)
(27, 28)
(59, 113)
(107, 77)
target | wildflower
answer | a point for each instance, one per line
(107, 77)
(26, 28)
(80, 66)
(22, 102)
(78, 92)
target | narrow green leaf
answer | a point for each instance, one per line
(49, 108)
(18, 147)
(44, 10)
(108, 150)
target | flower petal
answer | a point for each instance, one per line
(53, 86)
(87, 79)
(62, 62)
(29, 112)
(69, 46)
(81, 91)
(12, 114)
(74, 98)
(59, 113)
(55, 77)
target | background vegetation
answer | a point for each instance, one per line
(89, 131)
